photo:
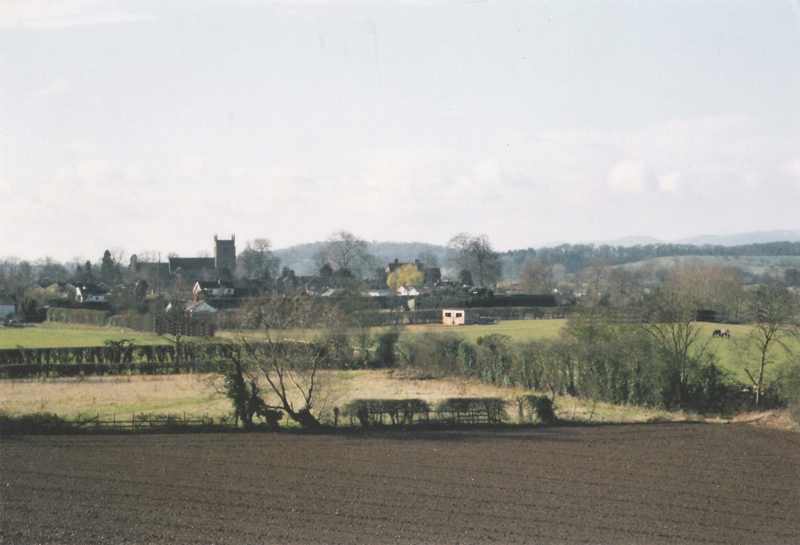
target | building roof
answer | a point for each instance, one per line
(196, 307)
(190, 263)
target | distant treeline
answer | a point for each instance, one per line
(575, 257)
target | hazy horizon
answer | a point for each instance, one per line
(153, 126)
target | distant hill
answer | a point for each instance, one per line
(633, 241)
(301, 258)
(739, 239)
(758, 237)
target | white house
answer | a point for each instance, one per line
(213, 289)
(195, 308)
(407, 292)
(378, 293)
(91, 293)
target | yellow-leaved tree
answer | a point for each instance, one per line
(407, 275)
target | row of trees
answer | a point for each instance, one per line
(471, 257)
(48, 271)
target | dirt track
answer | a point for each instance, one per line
(659, 483)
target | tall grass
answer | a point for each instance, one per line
(199, 395)
(107, 396)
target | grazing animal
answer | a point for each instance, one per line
(721, 333)
(717, 333)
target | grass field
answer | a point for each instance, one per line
(66, 336)
(518, 330)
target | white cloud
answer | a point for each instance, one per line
(80, 146)
(487, 174)
(670, 183)
(55, 87)
(55, 14)
(190, 167)
(792, 168)
(93, 177)
(632, 177)
(695, 156)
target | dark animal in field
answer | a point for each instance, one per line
(721, 333)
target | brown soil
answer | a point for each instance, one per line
(653, 483)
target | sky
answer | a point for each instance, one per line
(151, 126)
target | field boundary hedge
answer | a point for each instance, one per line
(403, 412)
(362, 413)
(52, 424)
(78, 316)
(114, 358)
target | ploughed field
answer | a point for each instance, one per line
(649, 483)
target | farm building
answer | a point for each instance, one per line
(460, 317)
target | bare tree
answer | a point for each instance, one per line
(257, 261)
(775, 310)
(624, 285)
(459, 253)
(714, 286)
(428, 257)
(537, 276)
(50, 270)
(676, 337)
(475, 258)
(596, 276)
(344, 251)
(292, 367)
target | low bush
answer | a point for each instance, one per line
(543, 407)
(33, 424)
(472, 410)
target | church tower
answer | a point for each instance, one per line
(225, 254)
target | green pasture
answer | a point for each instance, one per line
(518, 330)
(68, 336)
(735, 353)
